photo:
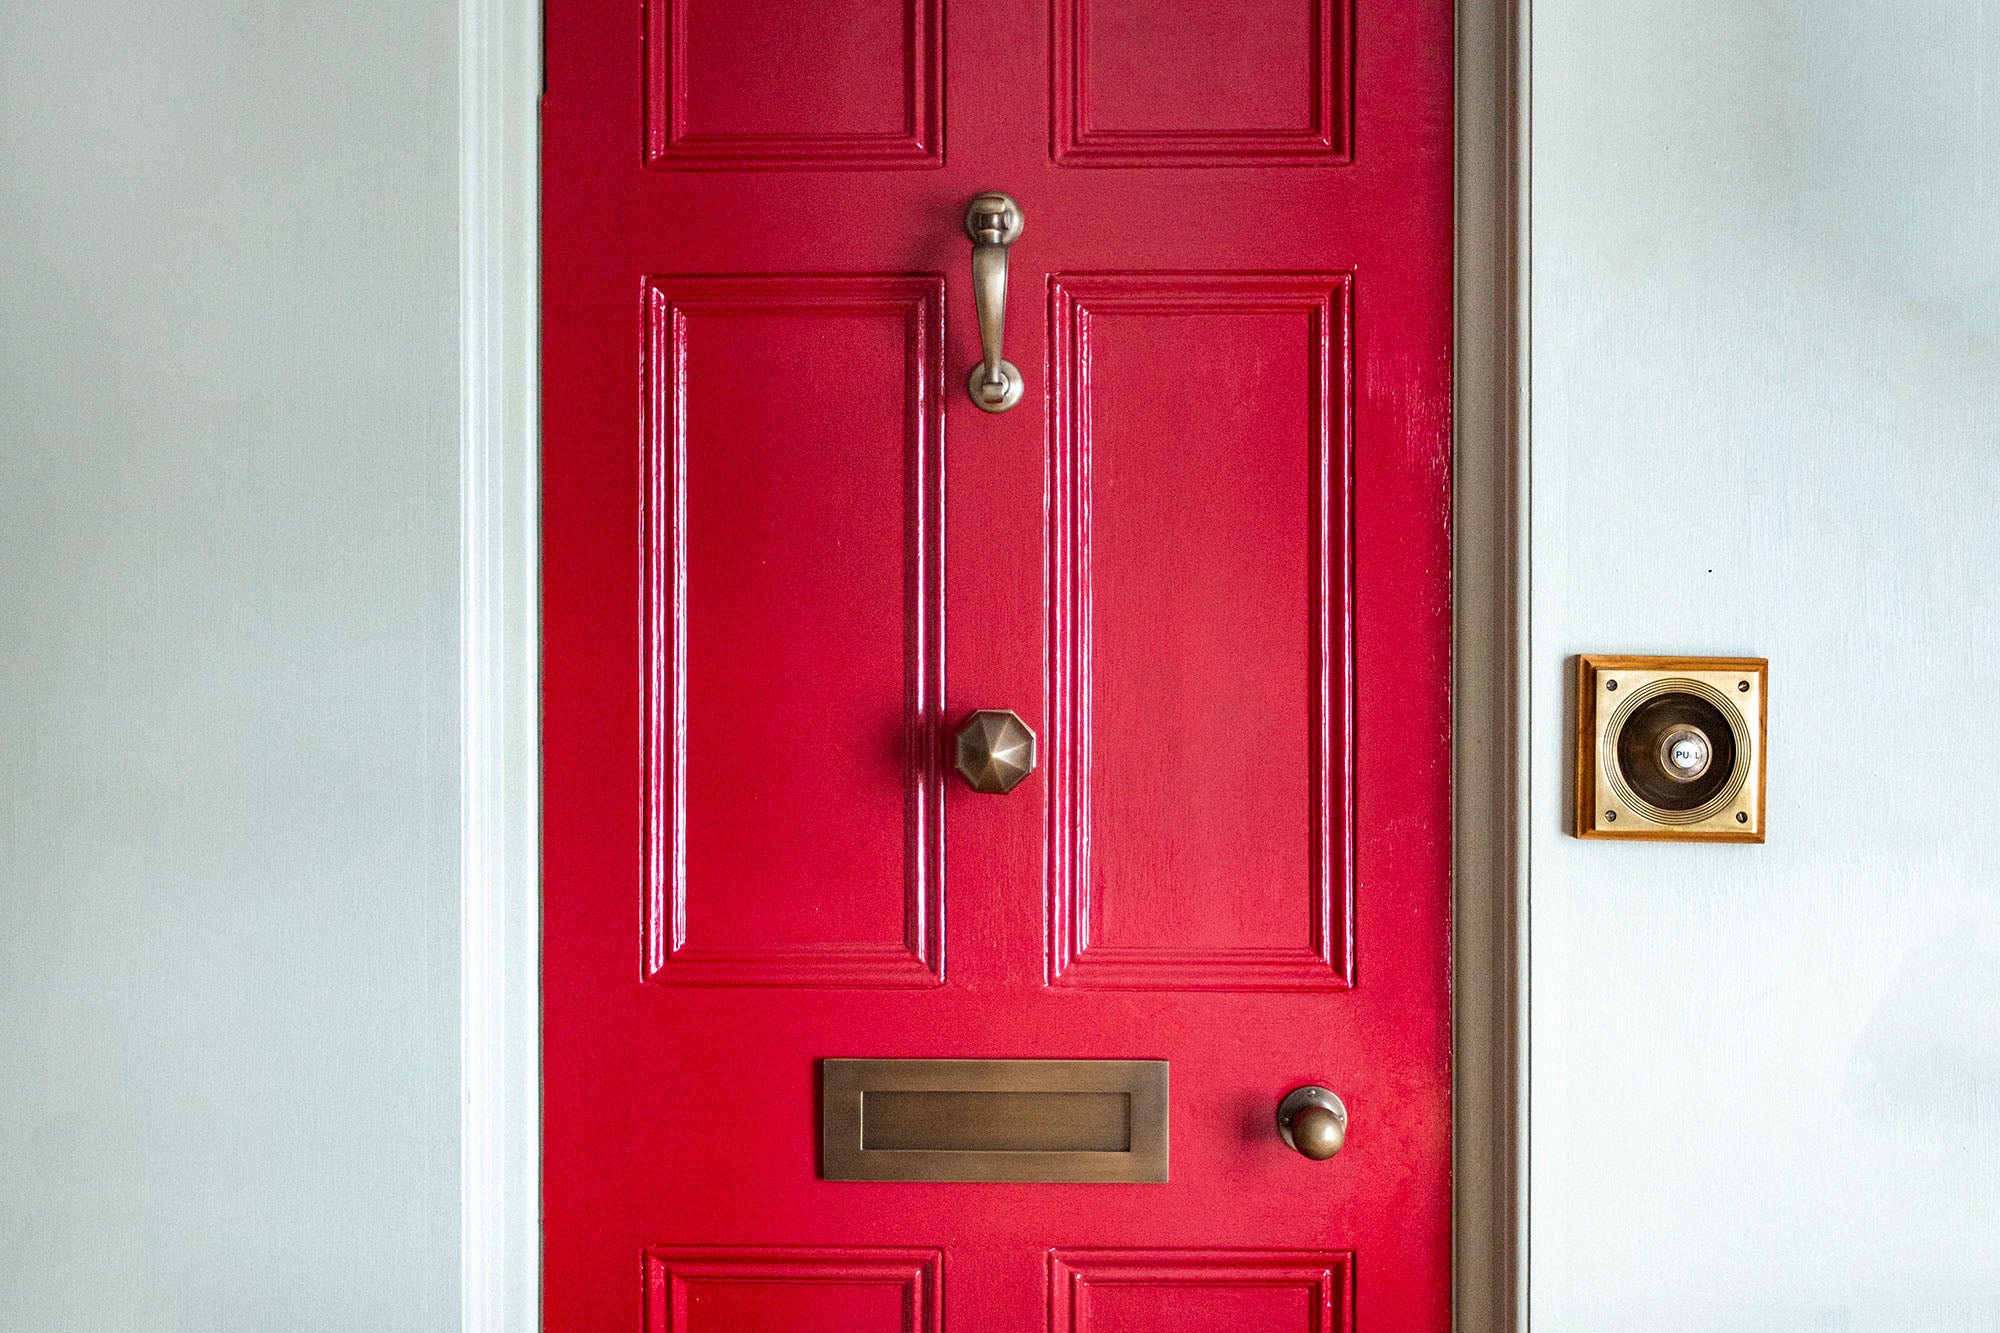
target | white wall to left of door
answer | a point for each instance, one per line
(229, 786)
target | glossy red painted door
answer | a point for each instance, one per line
(1206, 558)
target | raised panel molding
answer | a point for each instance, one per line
(1094, 1290)
(1077, 953)
(904, 1288)
(1317, 133)
(917, 959)
(908, 120)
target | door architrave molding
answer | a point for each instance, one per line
(1490, 697)
(500, 1132)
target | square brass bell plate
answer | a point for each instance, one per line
(1670, 749)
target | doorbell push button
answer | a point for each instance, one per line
(1685, 754)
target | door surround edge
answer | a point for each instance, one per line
(500, 1240)
(1490, 697)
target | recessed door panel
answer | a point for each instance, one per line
(1200, 815)
(1167, 1291)
(782, 83)
(1240, 81)
(828, 1290)
(793, 608)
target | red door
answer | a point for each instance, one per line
(1204, 558)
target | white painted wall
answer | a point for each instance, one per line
(1766, 1080)
(228, 666)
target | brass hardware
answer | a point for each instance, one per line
(987, 1120)
(1670, 748)
(1313, 1122)
(996, 1121)
(995, 750)
(994, 222)
(1685, 752)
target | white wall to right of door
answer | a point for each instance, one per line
(1766, 349)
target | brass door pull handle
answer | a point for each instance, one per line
(995, 749)
(994, 222)
(1313, 1121)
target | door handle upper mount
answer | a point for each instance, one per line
(994, 222)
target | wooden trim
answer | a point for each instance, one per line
(500, 1278)
(1490, 724)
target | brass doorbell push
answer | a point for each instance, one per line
(1670, 749)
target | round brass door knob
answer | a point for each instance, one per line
(1313, 1121)
(996, 750)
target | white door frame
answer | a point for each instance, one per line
(500, 84)
(500, 1078)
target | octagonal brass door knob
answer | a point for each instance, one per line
(996, 750)
(1313, 1121)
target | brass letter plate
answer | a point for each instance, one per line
(1071, 1120)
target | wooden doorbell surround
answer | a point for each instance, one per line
(1670, 749)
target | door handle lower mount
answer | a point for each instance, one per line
(994, 222)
